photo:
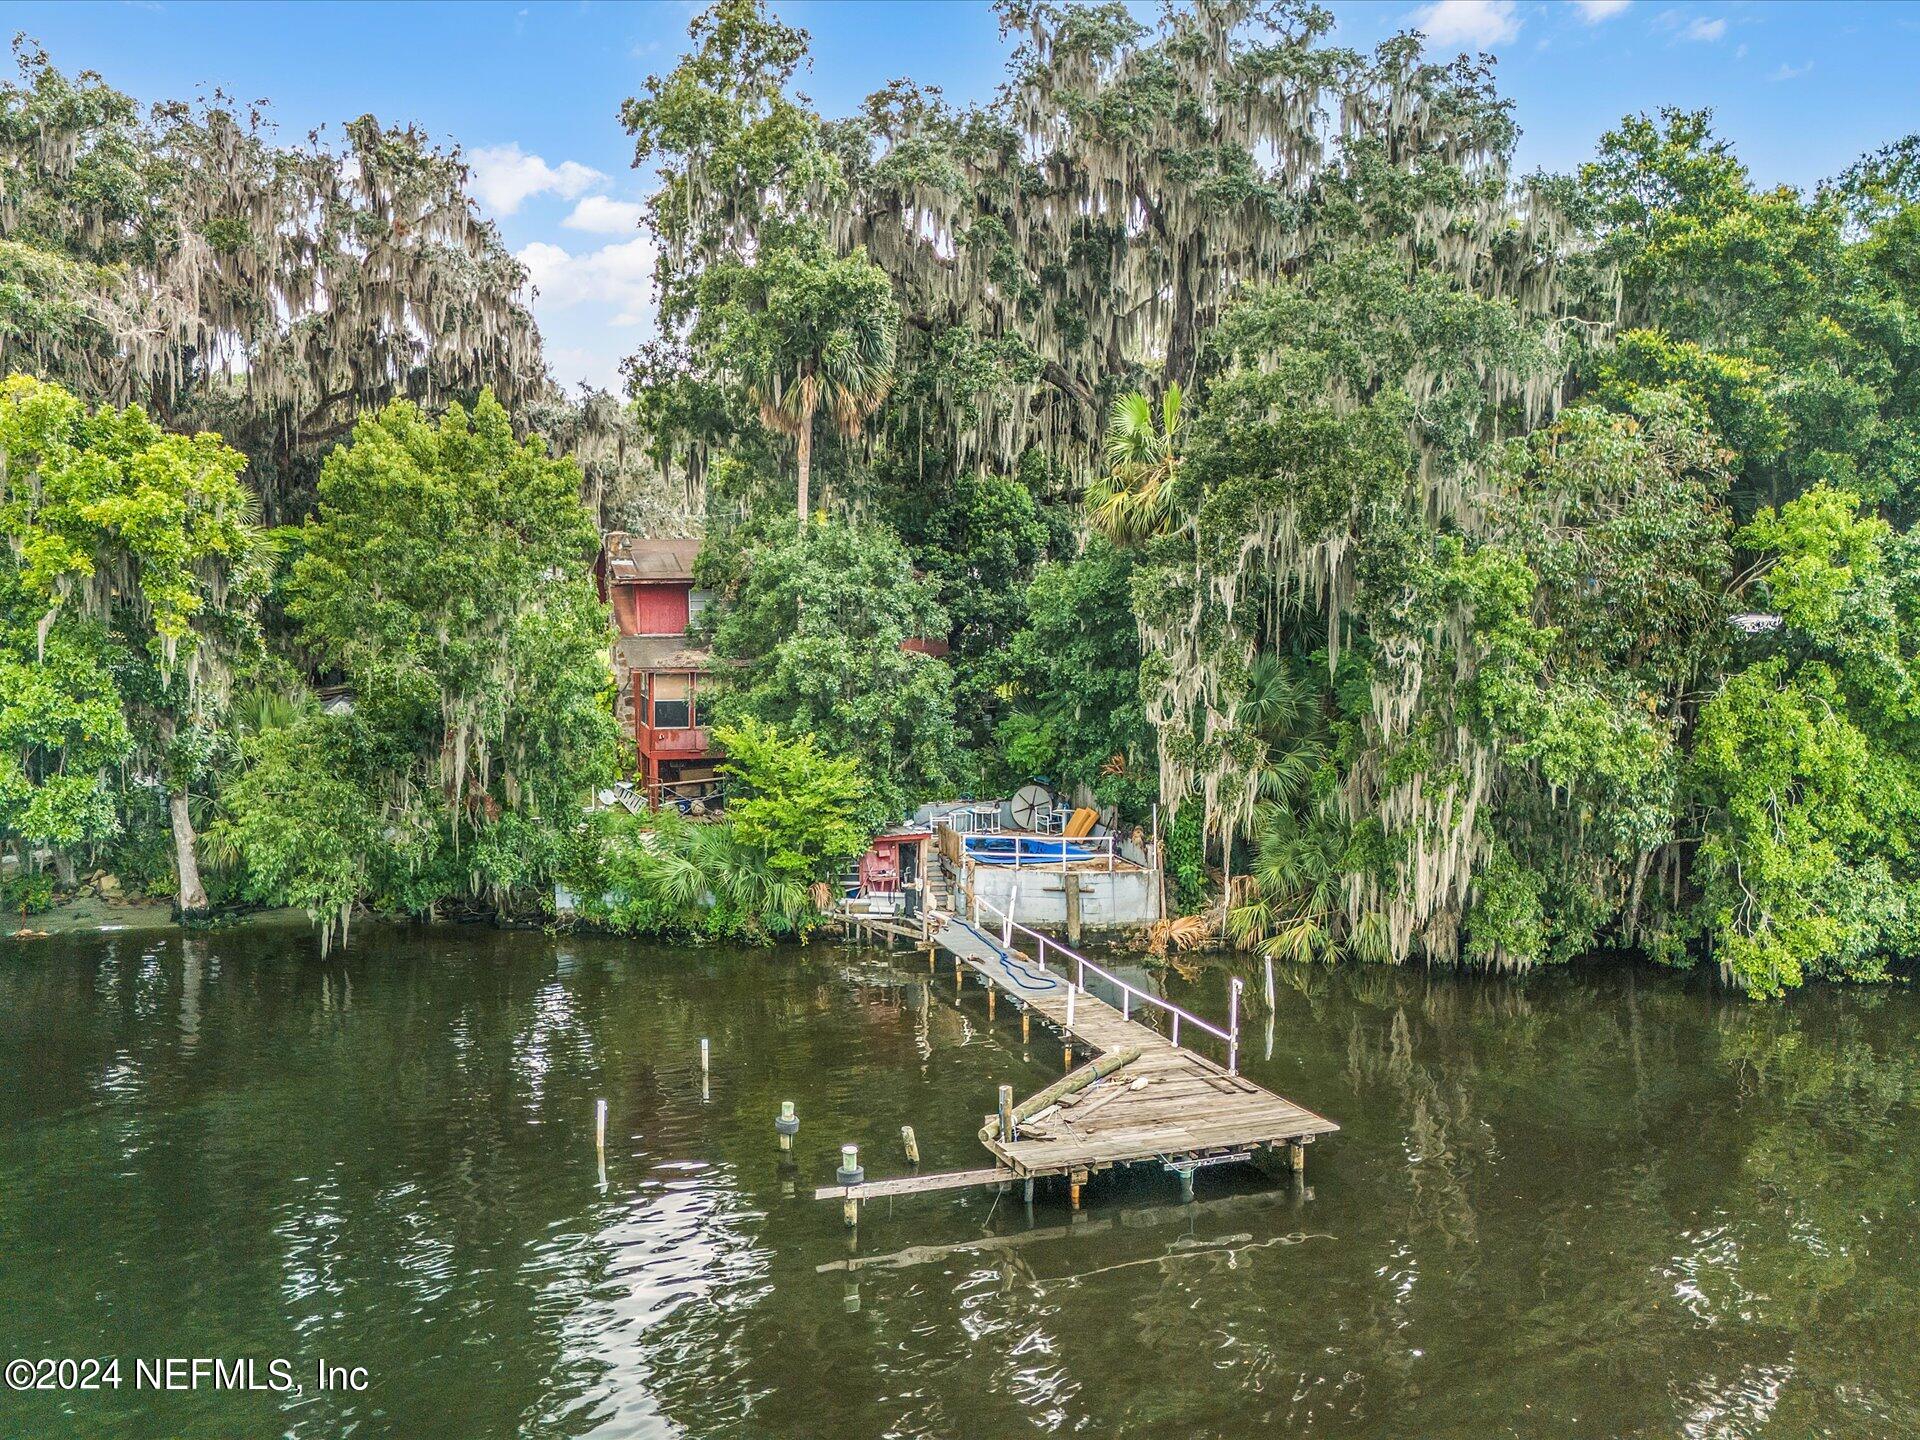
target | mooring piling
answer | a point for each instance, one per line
(786, 1124)
(600, 1126)
(1006, 1112)
(913, 1145)
(850, 1174)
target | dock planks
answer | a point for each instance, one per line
(1169, 1104)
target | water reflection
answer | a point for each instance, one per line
(1595, 1203)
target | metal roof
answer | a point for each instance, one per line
(658, 652)
(633, 558)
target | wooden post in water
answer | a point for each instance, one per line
(1006, 1113)
(786, 1125)
(1071, 881)
(600, 1128)
(1270, 1004)
(1297, 1155)
(1026, 1025)
(1074, 1182)
(913, 1145)
(992, 990)
(850, 1175)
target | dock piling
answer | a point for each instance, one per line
(850, 1175)
(1006, 1113)
(913, 1145)
(786, 1124)
(600, 1127)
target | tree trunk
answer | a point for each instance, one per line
(193, 895)
(805, 440)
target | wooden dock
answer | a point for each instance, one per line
(1167, 1103)
(1142, 1096)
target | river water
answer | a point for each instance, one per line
(1604, 1202)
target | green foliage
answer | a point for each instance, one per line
(1803, 766)
(803, 330)
(812, 639)
(1186, 862)
(133, 576)
(979, 548)
(299, 821)
(1757, 300)
(663, 875)
(1136, 498)
(29, 893)
(793, 804)
(1074, 715)
(446, 576)
(183, 258)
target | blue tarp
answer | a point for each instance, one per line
(999, 850)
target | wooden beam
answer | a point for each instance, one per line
(915, 1184)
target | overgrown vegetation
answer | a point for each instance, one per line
(1470, 569)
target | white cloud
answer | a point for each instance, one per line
(1467, 22)
(1702, 29)
(578, 365)
(616, 279)
(1790, 72)
(599, 215)
(503, 177)
(1594, 11)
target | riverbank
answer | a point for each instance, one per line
(90, 913)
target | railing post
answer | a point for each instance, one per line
(1233, 1028)
(1126, 1002)
(1041, 956)
(1176, 1029)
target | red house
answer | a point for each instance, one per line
(649, 584)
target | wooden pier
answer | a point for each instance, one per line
(1142, 1096)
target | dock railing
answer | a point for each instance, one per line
(1081, 967)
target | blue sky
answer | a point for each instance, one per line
(531, 91)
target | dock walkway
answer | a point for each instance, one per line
(1157, 1100)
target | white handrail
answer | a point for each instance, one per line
(1078, 981)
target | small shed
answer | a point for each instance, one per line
(896, 862)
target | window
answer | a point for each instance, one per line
(672, 701)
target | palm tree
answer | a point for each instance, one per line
(1282, 707)
(1134, 500)
(844, 364)
(1291, 906)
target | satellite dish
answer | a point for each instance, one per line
(1030, 802)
